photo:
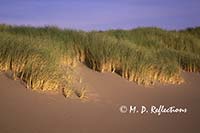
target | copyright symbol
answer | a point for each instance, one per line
(123, 109)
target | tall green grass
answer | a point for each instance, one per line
(28, 61)
(41, 55)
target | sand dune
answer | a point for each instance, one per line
(25, 111)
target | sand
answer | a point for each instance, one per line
(26, 111)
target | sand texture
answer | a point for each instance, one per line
(25, 111)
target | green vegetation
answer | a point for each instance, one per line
(44, 57)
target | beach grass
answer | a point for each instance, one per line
(45, 57)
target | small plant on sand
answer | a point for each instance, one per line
(81, 93)
(67, 92)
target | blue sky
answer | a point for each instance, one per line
(102, 14)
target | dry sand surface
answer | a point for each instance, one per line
(25, 111)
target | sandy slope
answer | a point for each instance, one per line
(24, 111)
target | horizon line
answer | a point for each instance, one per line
(90, 30)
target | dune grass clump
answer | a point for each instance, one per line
(100, 52)
(28, 63)
(41, 55)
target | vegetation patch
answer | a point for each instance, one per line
(45, 57)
